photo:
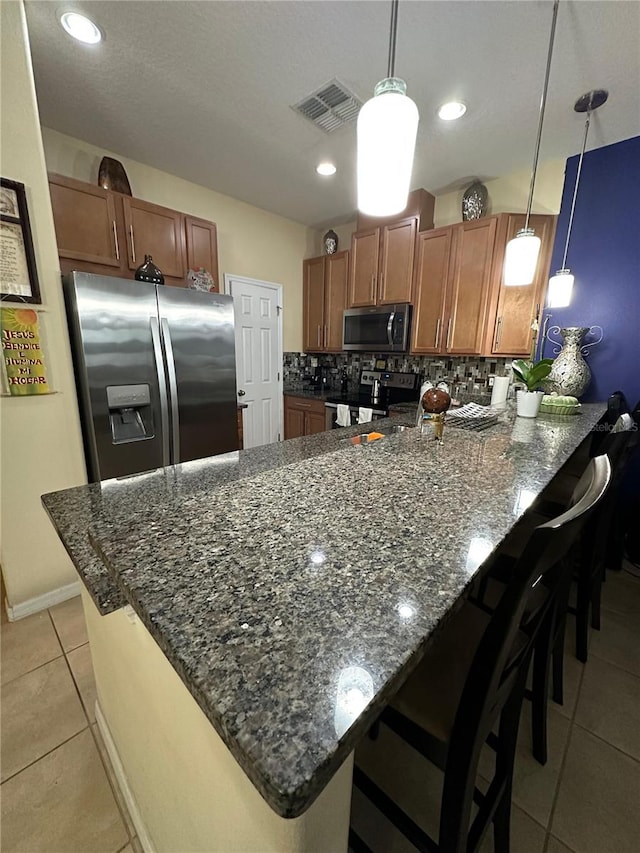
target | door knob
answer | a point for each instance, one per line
(241, 393)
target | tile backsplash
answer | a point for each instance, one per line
(469, 373)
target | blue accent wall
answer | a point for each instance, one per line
(604, 256)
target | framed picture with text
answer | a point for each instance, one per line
(18, 273)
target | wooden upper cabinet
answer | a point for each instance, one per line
(202, 246)
(324, 298)
(336, 282)
(157, 231)
(363, 278)
(313, 304)
(430, 287)
(517, 307)
(470, 286)
(382, 264)
(396, 273)
(86, 222)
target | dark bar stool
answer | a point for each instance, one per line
(471, 680)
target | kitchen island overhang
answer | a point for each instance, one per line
(267, 593)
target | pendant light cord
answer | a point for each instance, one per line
(391, 67)
(543, 103)
(575, 189)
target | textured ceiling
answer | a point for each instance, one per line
(203, 89)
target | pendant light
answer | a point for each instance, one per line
(387, 128)
(521, 256)
(561, 284)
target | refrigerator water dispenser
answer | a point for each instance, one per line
(130, 415)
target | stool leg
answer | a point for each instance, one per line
(596, 597)
(558, 672)
(541, 665)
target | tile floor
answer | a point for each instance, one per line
(585, 799)
(58, 793)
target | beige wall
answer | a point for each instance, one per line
(510, 193)
(189, 792)
(41, 444)
(506, 195)
(251, 242)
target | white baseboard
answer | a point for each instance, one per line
(42, 602)
(122, 782)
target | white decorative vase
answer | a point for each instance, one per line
(528, 403)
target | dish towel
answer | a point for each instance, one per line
(344, 415)
(364, 415)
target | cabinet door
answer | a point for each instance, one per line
(313, 304)
(294, 417)
(518, 306)
(396, 265)
(202, 246)
(315, 422)
(85, 222)
(469, 286)
(157, 231)
(335, 299)
(429, 292)
(363, 275)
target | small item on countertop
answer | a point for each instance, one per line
(500, 390)
(344, 382)
(559, 404)
(366, 438)
(201, 279)
(436, 400)
(148, 271)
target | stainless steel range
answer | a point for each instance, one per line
(378, 390)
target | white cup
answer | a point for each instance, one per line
(499, 390)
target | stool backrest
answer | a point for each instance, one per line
(503, 648)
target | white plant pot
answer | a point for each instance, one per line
(528, 403)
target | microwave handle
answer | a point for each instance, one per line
(392, 317)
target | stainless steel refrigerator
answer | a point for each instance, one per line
(155, 373)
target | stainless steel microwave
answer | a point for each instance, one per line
(384, 328)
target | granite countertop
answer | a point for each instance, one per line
(294, 587)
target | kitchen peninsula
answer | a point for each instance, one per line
(291, 588)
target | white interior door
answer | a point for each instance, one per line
(258, 325)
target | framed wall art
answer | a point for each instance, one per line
(18, 273)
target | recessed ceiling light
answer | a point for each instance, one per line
(80, 27)
(326, 169)
(451, 111)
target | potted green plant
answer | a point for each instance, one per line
(531, 373)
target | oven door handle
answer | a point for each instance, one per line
(392, 317)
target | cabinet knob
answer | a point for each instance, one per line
(241, 393)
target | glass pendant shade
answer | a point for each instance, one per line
(387, 128)
(521, 258)
(560, 289)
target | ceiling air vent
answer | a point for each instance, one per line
(330, 107)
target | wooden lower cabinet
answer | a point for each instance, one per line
(303, 416)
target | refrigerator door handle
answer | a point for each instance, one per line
(162, 389)
(173, 389)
